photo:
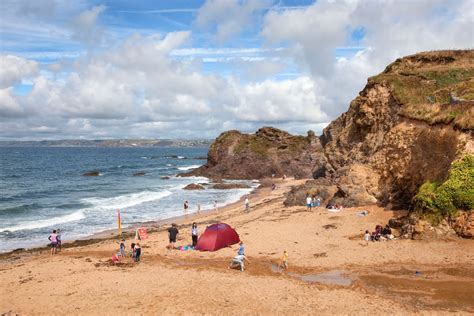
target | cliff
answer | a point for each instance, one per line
(235, 155)
(405, 128)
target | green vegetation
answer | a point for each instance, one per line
(435, 201)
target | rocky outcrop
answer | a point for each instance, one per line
(193, 186)
(269, 151)
(91, 174)
(321, 188)
(412, 227)
(402, 130)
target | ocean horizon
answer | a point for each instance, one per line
(43, 188)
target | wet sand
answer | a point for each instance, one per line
(331, 270)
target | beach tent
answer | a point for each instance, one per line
(217, 236)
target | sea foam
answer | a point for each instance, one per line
(50, 222)
(126, 200)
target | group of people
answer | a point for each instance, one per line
(379, 234)
(135, 252)
(312, 201)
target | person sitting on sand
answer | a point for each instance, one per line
(284, 260)
(194, 234)
(54, 241)
(238, 262)
(387, 232)
(172, 232)
(377, 233)
(138, 252)
(241, 249)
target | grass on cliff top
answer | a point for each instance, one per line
(436, 201)
(426, 94)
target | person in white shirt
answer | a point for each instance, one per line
(247, 204)
(308, 202)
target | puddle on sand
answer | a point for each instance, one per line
(333, 277)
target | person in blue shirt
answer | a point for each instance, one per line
(241, 249)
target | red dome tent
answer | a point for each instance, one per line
(217, 236)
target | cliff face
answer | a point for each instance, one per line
(406, 127)
(235, 155)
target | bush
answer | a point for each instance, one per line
(456, 193)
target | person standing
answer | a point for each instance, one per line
(247, 204)
(194, 234)
(58, 238)
(138, 252)
(53, 238)
(172, 232)
(308, 202)
(215, 206)
(186, 206)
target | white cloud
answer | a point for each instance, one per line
(13, 69)
(9, 106)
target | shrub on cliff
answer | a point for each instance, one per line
(456, 193)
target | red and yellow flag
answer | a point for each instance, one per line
(119, 222)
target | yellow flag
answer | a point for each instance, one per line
(119, 225)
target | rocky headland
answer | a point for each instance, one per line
(395, 146)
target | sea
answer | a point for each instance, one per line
(43, 188)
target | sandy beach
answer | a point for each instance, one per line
(331, 270)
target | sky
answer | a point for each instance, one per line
(90, 69)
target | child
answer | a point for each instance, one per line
(138, 252)
(367, 237)
(194, 234)
(58, 238)
(122, 248)
(241, 249)
(284, 260)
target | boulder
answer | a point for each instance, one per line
(91, 174)
(321, 188)
(193, 186)
(464, 224)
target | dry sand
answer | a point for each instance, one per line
(331, 270)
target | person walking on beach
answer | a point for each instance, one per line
(194, 234)
(247, 204)
(215, 206)
(186, 206)
(172, 232)
(53, 238)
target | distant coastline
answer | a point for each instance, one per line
(110, 143)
